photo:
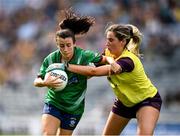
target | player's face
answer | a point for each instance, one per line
(66, 47)
(113, 44)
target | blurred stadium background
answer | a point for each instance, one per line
(27, 30)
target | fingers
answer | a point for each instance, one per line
(116, 68)
(110, 60)
(55, 78)
(55, 84)
(52, 81)
(50, 78)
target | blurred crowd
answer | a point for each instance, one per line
(27, 29)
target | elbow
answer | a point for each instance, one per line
(35, 84)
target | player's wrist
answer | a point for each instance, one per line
(44, 83)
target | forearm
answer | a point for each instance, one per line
(89, 70)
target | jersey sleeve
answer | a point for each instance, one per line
(126, 64)
(92, 57)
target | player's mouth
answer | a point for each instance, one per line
(109, 49)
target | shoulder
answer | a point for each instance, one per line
(126, 64)
(86, 53)
(130, 55)
(78, 50)
(52, 56)
(54, 53)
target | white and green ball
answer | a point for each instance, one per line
(57, 69)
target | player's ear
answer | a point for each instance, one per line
(123, 41)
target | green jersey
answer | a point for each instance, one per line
(71, 99)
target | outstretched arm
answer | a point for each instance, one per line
(90, 70)
(104, 70)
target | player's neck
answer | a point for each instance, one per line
(68, 58)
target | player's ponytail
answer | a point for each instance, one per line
(135, 40)
(76, 23)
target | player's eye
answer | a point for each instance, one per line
(68, 45)
(61, 45)
(110, 39)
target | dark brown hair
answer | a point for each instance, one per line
(76, 23)
(65, 33)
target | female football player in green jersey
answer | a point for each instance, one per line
(63, 109)
(136, 96)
